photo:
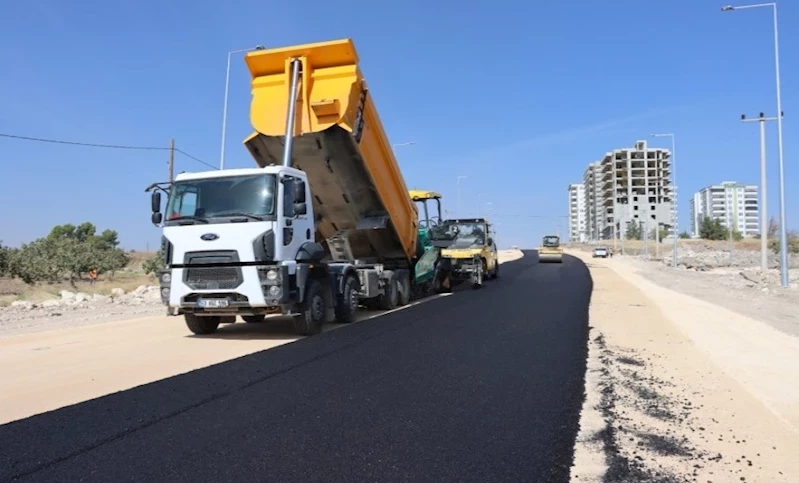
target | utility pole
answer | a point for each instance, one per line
(763, 198)
(784, 277)
(171, 160)
(657, 235)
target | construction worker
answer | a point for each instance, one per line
(92, 277)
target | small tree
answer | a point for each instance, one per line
(773, 227)
(659, 234)
(633, 231)
(67, 251)
(684, 235)
(4, 255)
(152, 265)
(712, 229)
(736, 235)
(793, 243)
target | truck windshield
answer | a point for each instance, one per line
(551, 241)
(249, 196)
(462, 235)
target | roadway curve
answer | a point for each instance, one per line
(478, 386)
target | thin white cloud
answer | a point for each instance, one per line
(578, 133)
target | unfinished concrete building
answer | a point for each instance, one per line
(636, 187)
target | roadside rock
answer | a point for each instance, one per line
(66, 295)
(47, 304)
(98, 299)
(117, 292)
(22, 304)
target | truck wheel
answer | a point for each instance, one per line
(347, 301)
(388, 300)
(312, 311)
(495, 273)
(201, 325)
(477, 277)
(404, 291)
(253, 319)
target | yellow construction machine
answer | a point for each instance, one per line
(468, 252)
(550, 250)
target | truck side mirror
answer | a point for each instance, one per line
(300, 209)
(155, 201)
(156, 218)
(490, 241)
(299, 191)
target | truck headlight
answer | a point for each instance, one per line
(166, 277)
(274, 291)
(271, 275)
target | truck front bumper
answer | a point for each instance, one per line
(233, 290)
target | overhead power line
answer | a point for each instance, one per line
(109, 146)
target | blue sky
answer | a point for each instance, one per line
(518, 95)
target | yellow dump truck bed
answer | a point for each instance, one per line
(339, 142)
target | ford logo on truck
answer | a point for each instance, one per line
(209, 236)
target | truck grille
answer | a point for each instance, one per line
(212, 277)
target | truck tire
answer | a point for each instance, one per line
(201, 325)
(312, 311)
(495, 273)
(390, 297)
(347, 301)
(405, 292)
(478, 278)
(253, 319)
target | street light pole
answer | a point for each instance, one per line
(458, 183)
(783, 225)
(674, 191)
(224, 109)
(763, 197)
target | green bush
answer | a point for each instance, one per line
(4, 255)
(69, 251)
(152, 265)
(793, 243)
(712, 229)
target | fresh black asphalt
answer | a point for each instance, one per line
(482, 385)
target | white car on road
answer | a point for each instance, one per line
(601, 252)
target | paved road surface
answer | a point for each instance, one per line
(479, 386)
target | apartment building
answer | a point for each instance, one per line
(735, 204)
(629, 185)
(577, 216)
(636, 188)
(594, 210)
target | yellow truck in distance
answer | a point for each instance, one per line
(325, 222)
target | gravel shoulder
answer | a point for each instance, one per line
(745, 291)
(77, 309)
(678, 389)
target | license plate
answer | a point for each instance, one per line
(213, 303)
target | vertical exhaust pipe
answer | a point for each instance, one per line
(291, 113)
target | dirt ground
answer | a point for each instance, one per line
(71, 360)
(708, 272)
(678, 389)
